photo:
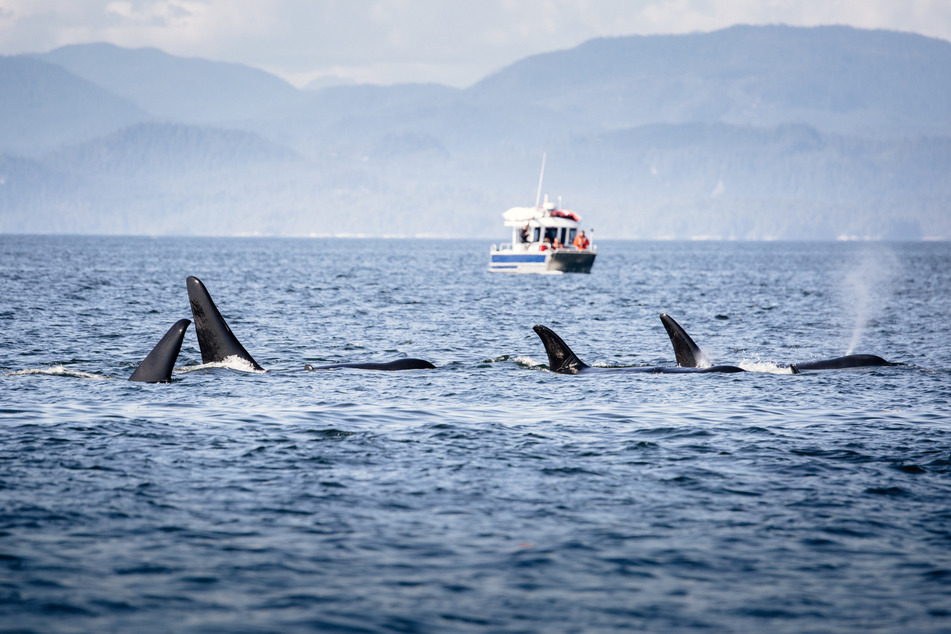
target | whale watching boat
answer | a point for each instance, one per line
(543, 240)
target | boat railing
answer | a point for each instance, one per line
(507, 246)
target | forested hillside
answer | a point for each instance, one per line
(746, 133)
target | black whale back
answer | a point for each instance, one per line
(838, 363)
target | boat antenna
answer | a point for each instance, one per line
(538, 195)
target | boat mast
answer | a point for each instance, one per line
(538, 195)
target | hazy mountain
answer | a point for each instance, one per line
(175, 88)
(355, 121)
(348, 119)
(329, 81)
(791, 181)
(42, 107)
(749, 132)
(837, 79)
(148, 178)
(168, 150)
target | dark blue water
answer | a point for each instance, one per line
(489, 494)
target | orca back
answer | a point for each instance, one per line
(838, 363)
(398, 364)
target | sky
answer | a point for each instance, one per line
(453, 42)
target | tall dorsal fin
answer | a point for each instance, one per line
(157, 366)
(560, 357)
(689, 354)
(215, 338)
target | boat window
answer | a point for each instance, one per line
(551, 234)
(571, 236)
(538, 234)
(562, 238)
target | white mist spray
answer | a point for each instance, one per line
(866, 286)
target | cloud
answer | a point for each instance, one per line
(385, 41)
(158, 12)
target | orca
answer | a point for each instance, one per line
(689, 354)
(215, 338)
(562, 360)
(218, 343)
(157, 366)
(398, 364)
(838, 363)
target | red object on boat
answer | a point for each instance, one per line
(561, 213)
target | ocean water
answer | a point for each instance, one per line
(488, 494)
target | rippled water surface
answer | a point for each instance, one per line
(488, 494)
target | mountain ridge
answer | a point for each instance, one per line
(43, 106)
(711, 75)
(187, 90)
(748, 132)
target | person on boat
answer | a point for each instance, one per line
(556, 243)
(581, 241)
(523, 237)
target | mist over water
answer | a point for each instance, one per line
(488, 494)
(867, 286)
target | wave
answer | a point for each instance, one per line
(233, 362)
(765, 367)
(60, 370)
(529, 362)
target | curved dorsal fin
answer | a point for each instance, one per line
(157, 366)
(689, 354)
(215, 338)
(560, 357)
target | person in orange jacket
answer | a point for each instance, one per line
(581, 241)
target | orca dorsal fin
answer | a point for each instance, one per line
(688, 353)
(215, 338)
(157, 366)
(560, 357)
